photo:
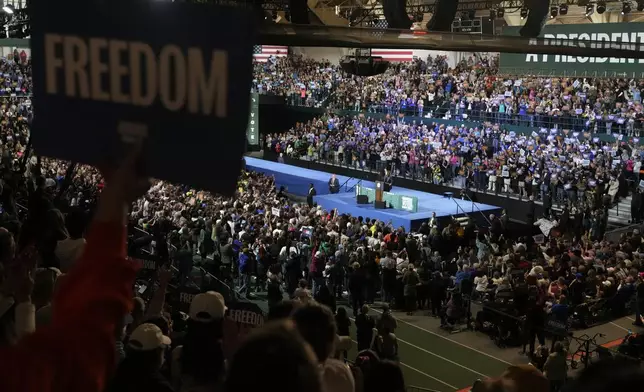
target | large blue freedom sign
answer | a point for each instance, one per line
(175, 76)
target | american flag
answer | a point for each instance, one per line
(261, 53)
(395, 55)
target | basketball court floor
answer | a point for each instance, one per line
(433, 359)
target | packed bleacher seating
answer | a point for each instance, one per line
(303, 81)
(79, 315)
(473, 90)
(543, 166)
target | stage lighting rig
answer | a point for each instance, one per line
(601, 7)
(626, 8)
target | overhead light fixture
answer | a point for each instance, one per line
(553, 12)
(589, 9)
(626, 8)
(601, 7)
(523, 13)
(640, 6)
(8, 9)
(500, 12)
(563, 9)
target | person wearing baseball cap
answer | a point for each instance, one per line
(207, 307)
(140, 370)
(200, 361)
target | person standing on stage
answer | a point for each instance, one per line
(334, 185)
(309, 197)
(387, 180)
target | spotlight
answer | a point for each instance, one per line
(563, 9)
(640, 6)
(589, 9)
(500, 12)
(626, 8)
(553, 12)
(523, 13)
(601, 7)
(8, 9)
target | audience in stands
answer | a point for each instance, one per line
(69, 321)
(473, 90)
(581, 173)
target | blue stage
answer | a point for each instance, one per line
(297, 180)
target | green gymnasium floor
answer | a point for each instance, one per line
(436, 360)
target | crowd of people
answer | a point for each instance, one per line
(582, 174)
(303, 81)
(472, 90)
(71, 319)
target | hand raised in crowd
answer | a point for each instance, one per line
(165, 275)
(24, 271)
(123, 186)
(20, 277)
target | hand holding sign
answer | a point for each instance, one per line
(165, 275)
(168, 74)
(123, 186)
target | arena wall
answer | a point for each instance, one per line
(628, 36)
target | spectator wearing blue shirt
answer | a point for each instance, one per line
(245, 270)
(462, 275)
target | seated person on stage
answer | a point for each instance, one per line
(334, 184)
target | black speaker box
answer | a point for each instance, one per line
(299, 11)
(536, 19)
(380, 205)
(443, 16)
(362, 199)
(395, 12)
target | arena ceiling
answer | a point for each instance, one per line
(336, 12)
(346, 37)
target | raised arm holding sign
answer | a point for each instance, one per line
(165, 74)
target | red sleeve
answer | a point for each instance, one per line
(77, 351)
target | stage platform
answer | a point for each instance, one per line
(297, 180)
(427, 204)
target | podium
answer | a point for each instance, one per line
(378, 202)
(379, 189)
